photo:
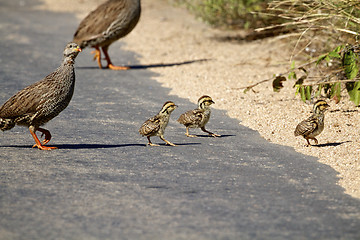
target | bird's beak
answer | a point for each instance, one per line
(212, 102)
(78, 49)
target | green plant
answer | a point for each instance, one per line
(341, 68)
(342, 64)
(229, 13)
(319, 24)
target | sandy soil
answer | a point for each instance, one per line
(171, 35)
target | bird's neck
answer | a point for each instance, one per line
(68, 61)
(133, 3)
(165, 113)
(319, 115)
(204, 107)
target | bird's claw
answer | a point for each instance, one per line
(215, 135)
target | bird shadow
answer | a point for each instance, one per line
(77, 146)
(209, 136)
(330, 144)
(91, 145)
(95, 146)
(177, 144)
(154, 65)
(344, 111)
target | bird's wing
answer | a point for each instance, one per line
(306, 127)
(28, 99)
(150, 126)
(98, 21)
(191, 117)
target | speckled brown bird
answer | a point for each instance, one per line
(199, 117)
(40, 102)
(314, 125)
(109, 22)
(156, 125)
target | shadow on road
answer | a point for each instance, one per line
(94, 145)
(222, 136)
(177, 144)
(77, 146)
(154, 65)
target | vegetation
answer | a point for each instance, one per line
(314, 26)
(230, 13)
(341, 73)
(320, 25)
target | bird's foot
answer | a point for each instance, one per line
(308, 142)
(170, 143)
(153, 144)
(45, 141)
(97, 57)
(210, 133)
(166, 141)
(42, 147)
(215, 135)
(96, 54)
(47, 138)
(112, 67)
(189, 135)
(47, 135)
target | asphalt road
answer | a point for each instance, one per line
(104, 183)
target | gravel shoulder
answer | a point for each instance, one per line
(167, 35)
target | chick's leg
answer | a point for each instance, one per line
(187, 133)
(210, 133)
(167, 142)
(150, 143)
(316, 141)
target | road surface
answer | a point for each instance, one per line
(104, 183)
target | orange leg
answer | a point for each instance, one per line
(47, 136)
(97, 56)
(38, 144)
(110, 65)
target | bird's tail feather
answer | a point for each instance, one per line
(6, 124)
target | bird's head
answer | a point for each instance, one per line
(320, 106)
(205, 101)
(72, 50)
(168, 107)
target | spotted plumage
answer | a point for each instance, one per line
(156, 125)
(109, 22)
(40, 102)
(314, 125)
(199, 117)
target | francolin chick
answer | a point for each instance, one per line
(199, 117)
(314, 125)
(156, 125)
